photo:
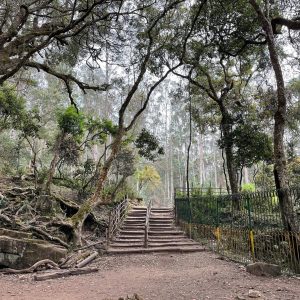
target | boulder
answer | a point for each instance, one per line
(254, 294)
(19, 250)
(263, 269)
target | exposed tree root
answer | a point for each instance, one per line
(45, 263)
(47, 235)
(6, 219)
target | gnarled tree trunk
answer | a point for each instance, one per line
(289, 217)
(78, 219)
(54, 162)
(226, 124)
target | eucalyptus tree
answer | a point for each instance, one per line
(215, 75)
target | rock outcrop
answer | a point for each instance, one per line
(263, 269)
(20, 250)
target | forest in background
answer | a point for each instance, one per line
(115, 98)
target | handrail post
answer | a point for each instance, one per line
(116, 216)
(148, 212)
(108, 230)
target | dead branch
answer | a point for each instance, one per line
(66, 263)
(65, 274)
(87, 260)
(88, 246)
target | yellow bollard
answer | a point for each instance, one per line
(251, 237)
(218, 237)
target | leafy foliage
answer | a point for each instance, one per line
(12, 107)
(251, 146)
(148, 145)
(248, 187)
(124, 163)
(148, 175)
(71, 121)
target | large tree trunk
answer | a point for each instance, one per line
(54, 162)
(226, 124)
(78, 219)
(289, 217)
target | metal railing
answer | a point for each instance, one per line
(200, 191)
(116, 216)
(245, 227)
(147, 223)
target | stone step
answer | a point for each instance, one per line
(170, 236)
(161, 222)
(134, 224)
(182, 249)
(137, 214)
(166, 232)
(172, 244)
(181, 239)
(151, 244)
(129, 225)
(134, 218)
(129, 237)
(138, 211)
(131, 232)
(155, 218)
(132, 228)
(163, 228)
(131, 240)
(126, 245)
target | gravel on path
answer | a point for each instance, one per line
(194, 276)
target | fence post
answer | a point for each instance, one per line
(218, 232)
(190, 215)
(251, 233)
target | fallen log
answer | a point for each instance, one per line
(64, 274)
(87, 260)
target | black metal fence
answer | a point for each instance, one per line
(245, 227)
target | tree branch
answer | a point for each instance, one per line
(67, 79)
(293, 24)
(143, 68)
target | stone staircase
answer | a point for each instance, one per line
(163, 235)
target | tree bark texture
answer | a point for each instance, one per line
(54, 162)
(78, 219)
(226, 124)
(289, 217)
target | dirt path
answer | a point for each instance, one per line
(161, 276)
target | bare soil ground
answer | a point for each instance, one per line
(156, 276)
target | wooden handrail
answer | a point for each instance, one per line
(147, 224)
(116, 216)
